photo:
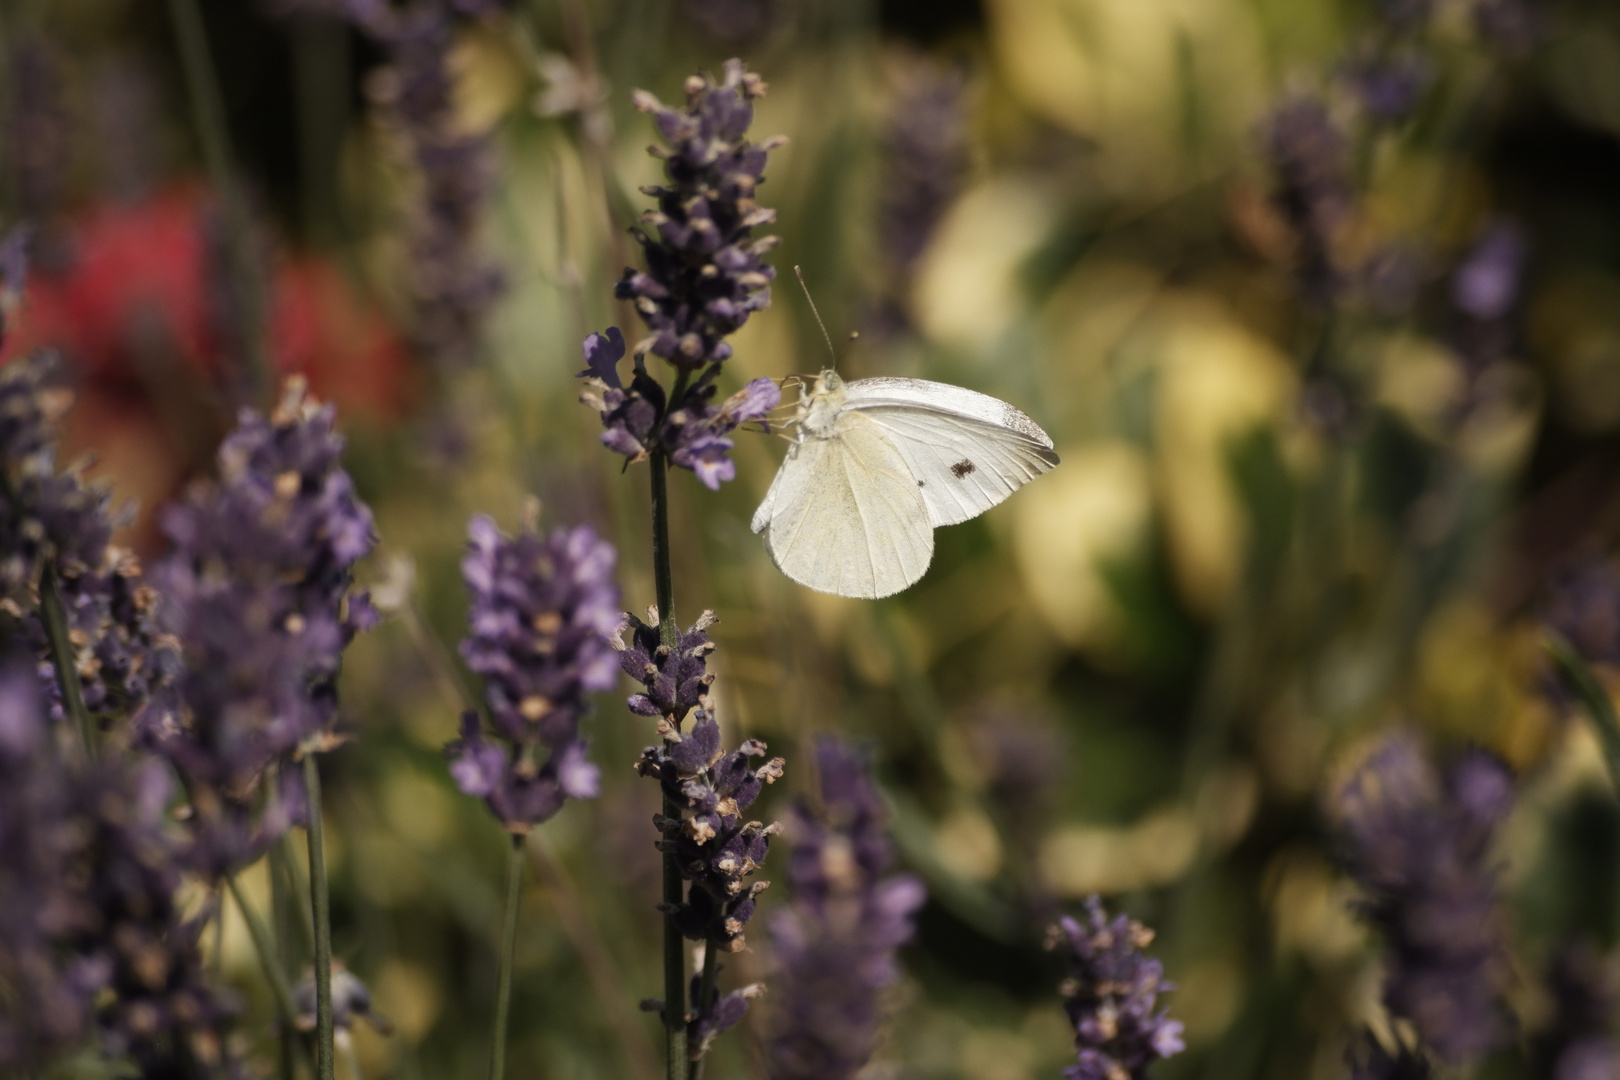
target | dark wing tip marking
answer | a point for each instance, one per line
(961, 468)
(922, 483)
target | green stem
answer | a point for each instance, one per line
(711, 961)
(325, 1065)
(67, 671)
(208, 115)
(503, 995)
(674, 892)
(286, 1008)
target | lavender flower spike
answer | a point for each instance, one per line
(1418, 842)
(705, 270)
(835, 942)
(542, 607)
(1110, 996)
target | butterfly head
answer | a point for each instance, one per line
(821, 406)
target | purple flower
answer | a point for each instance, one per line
(1110, 996)
(1487, 284)
(90, 925)
(38, 146)
(1418, 843)
(1310, 159)
(694, 433)
(705, 270)
(1388, 86)
(835, 943)
(1583, 607)
(675, 679)
(1513, 26)
(1578, 1042)
(715, 847)
(542, 609)
(925, 158)
(257, 592)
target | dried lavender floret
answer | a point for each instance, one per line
(1417, 840)
(835, 942)
(542, 607)
(705, 269)
(1110, 996)
(675, 679)
(715, 848)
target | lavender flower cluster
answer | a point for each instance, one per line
(93, 943)
(542, 608)
(1418, 841)
(705, 270)
(257, 592)
(835, 943)
(1110, 995)
(695, 434)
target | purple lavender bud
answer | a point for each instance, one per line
(1487, 284)
(705, 270)
(1513, 26)
(1368, 1060)
(714, 847)
(1310, 160)
(835, 942)
(925, 159)
(1110, 996)
(38, 147)
(1418, 843)
(351, 1001)
(541, 610)
(676, 680)
(257, 592)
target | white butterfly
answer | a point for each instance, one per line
(876, 465)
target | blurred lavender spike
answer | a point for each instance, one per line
(542, 609)
(1310, 160)
(705, 269)
(835, 942)
(1579, 1041)
(1418, 842)
(257, 591)
(1368, 1060)
(91, 929)
(1110, 996)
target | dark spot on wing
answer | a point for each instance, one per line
(961, 468)
(922, 483)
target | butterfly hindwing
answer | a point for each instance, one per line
(845, 514)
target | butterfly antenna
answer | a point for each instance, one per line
(824, 335)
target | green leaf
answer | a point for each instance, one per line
(1584, 684)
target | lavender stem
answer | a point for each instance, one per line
(669, 635)
(711, 960)
(503, 995)
(325, 1066)
(265, 948)
(67, 672)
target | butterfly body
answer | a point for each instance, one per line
(876, 465)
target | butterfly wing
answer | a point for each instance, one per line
(845, 516)
(969, 451)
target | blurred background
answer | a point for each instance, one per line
(1319, 300)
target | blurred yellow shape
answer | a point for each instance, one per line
(1206, 998)
(1165, 88)
(416, 808)
(967, 290)
(1421, 381)
(409, 996)
(1227, 800)
(967, 844)
(995, 1054)
(489, 75)
(1068, 528)
(1479, 680)
(1310, 907)
(1218, 381)
(1078, 860)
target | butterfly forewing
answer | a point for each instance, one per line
(966, 451)
(845, 514)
